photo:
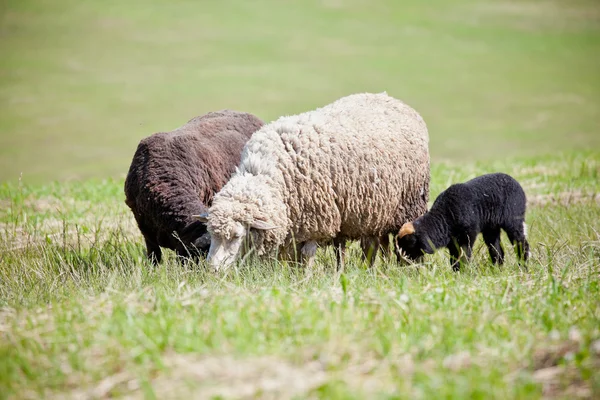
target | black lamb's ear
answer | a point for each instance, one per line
(408, 229)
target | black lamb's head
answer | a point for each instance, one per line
(411, 243)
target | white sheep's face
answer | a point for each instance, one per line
(230, 240)
(224, 251)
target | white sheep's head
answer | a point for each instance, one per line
(231, 238)
(245, 214)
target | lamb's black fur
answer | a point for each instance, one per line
(484, 205)
(174, 175)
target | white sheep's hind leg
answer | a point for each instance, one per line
(308, 252)
(386, 247)
(339, 245)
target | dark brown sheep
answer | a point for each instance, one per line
(175, 174)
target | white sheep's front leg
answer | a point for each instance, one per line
(308, 252)
(370, 246)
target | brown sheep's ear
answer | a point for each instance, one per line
(201, 217)
(407, 229)
(262, 225)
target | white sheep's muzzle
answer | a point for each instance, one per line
(223, 253)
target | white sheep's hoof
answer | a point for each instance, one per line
(309, 249)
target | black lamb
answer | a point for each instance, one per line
(174, 175)
(484, 205)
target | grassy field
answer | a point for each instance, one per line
(507, 86)
(85, 316)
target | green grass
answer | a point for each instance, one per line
(506, 85)
(81, 82)
(83, 314)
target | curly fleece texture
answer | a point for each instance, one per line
(357, 167)
(176, 174)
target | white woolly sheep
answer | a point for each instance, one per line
(355, 169)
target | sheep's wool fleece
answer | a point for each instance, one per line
(175, 174)
(354, 168)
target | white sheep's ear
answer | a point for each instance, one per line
(262, 225)
(407, 229)
(201, 217)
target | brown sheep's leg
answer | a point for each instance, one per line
(153, 251)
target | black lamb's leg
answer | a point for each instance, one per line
(467, 247)
(461, 250)
(517, 236)
(492, 241)
(454, 249)
(465, 254)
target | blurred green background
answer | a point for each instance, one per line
(81, 81)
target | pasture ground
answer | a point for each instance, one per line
(85, 316)
(505, 85)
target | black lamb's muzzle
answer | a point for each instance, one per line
(409, 255)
